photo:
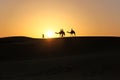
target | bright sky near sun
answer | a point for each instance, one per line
(33, 18)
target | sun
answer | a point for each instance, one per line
(50, 34)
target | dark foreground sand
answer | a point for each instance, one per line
(78, 65)
(63, 68)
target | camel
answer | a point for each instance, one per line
(72, 32)
(62, 33)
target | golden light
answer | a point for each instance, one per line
(50, 34)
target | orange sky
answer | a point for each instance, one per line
(34, 17)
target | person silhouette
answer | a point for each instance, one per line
(43, 36)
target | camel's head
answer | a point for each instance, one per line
(67, 31)
(56, 33)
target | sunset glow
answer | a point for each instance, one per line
(36, 17)
(50, 34)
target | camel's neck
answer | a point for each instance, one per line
(68, 32)
(57, 33)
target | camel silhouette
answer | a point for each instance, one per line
(61, 33)
(72, 32)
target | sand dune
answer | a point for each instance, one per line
(78, 58)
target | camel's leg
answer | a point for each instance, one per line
(74, 34)
(62, 35)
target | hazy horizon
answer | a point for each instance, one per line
(35, 17)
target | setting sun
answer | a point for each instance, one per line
(50, 34)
